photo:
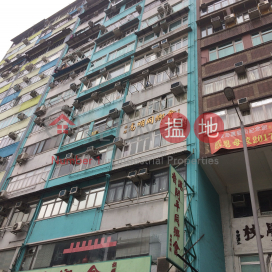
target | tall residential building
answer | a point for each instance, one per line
(234, 50)
(85, 176)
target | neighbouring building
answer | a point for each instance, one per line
(85, 176)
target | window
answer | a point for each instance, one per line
(5, 164)
(132, 3)
(98, 62)
(79, 133)
(152, 5)
(28, 179)
(90, 198)
(120, 52)
(116, 72)
(6, 258)
(103, 125)
(259, 111)
(241, 205)
(250, 263)
(242, 18)
(52, 207)
(59, 98)
(43, 146)
(112, 14)
(23, 216)
(208, 30)
(5, 141)
(261, 37)
(171, 27)
(265, 202)
(83, 162)
(226, 49)
(218, 5)
(124, 20)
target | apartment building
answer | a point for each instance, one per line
(234, 46)
(87, 186)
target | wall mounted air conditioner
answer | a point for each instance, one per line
(103, 72)
(12, 135)
(42, 75)
(119, 142)
(40, 111)
(238, 200)
(2, 160)
(163, 24)
(132, 175)
(177, 88)
(216, 22)
(5, 74)
(39, 121)
(171, 63)
(26, 79)
(21, 116)
(156, 28)
(167, 8)
(64, 195)
(78, 105)
(117, 32)
(254, 13)
(118, 86)
(95, 96)
(114, 113)
(73, 87)
(139, 9)
(15, 69)
(128, 107)
(239, 67)
(21, 206)
(264, 5)
(70, 132)
(92, 151)
(76, 192)
(3, 211)
(44, 59)
(17, 87)
(72, 57)
(66, 109)
(102, 28)
(145, 72)
(80, 53)
(7, 60)
(3, 194)
(26, 41)
(52, 84)
(230, 18)
(91, 24)
(73, 75)
(143, 174)
(244, 105)
(22, 158)
(156, 48)
(29, 67)
(203, 6)
(85, 81)
(160, 10)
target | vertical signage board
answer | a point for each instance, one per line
(175, 223)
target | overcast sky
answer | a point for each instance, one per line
(19, 15)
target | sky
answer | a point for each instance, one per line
(18, 15)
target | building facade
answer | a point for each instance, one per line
(85, 182)
(234, 50)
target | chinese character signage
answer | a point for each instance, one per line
(142, 264)
(255, 135)
(244, 234)
(175, 239)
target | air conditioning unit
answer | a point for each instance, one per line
(171, 63)
(41, 41)
(3, 211)
(119, 142)
(102, 28)
(254, 13)
(40, 111)
(77, 104)
(133, 176)
(230, 18)
(26, 41)
(64, 195)
(3, 195)
(7, 60)
(238, 200)
(103, 72)
(114, 113)
(5, 74)
(91, 24)
(18, 55)
(29, 67)
(33, 94)
(95, 96)
(164, 43)
(76, 192)
(52, 84)
(72, 57)
(51, 27)
(156, 47)
(143, 174)
(66, 109)
(12, 136)
(145, 72)
(128, 107)
(21, 206)
(73, 87)
(167, 8)
(156, 28)
(39, 121)
(44, 59)
(22, 158)
(15, 69)
(177, 88)
(21, 116)
(80, 53)
(118, 86)
(85, 81)
(216, 22)
(70, 156)
(203, 6)
(69, 16)
(239, 67)
(117, 32)
(243, 105)
(92, 151)
(73, 75)
(17, 87)
(163, 24)
(160, 10)
(42, 75)
(139, 9)
(26, 79)
(70, 132)
(264, 5)
(2, 160)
